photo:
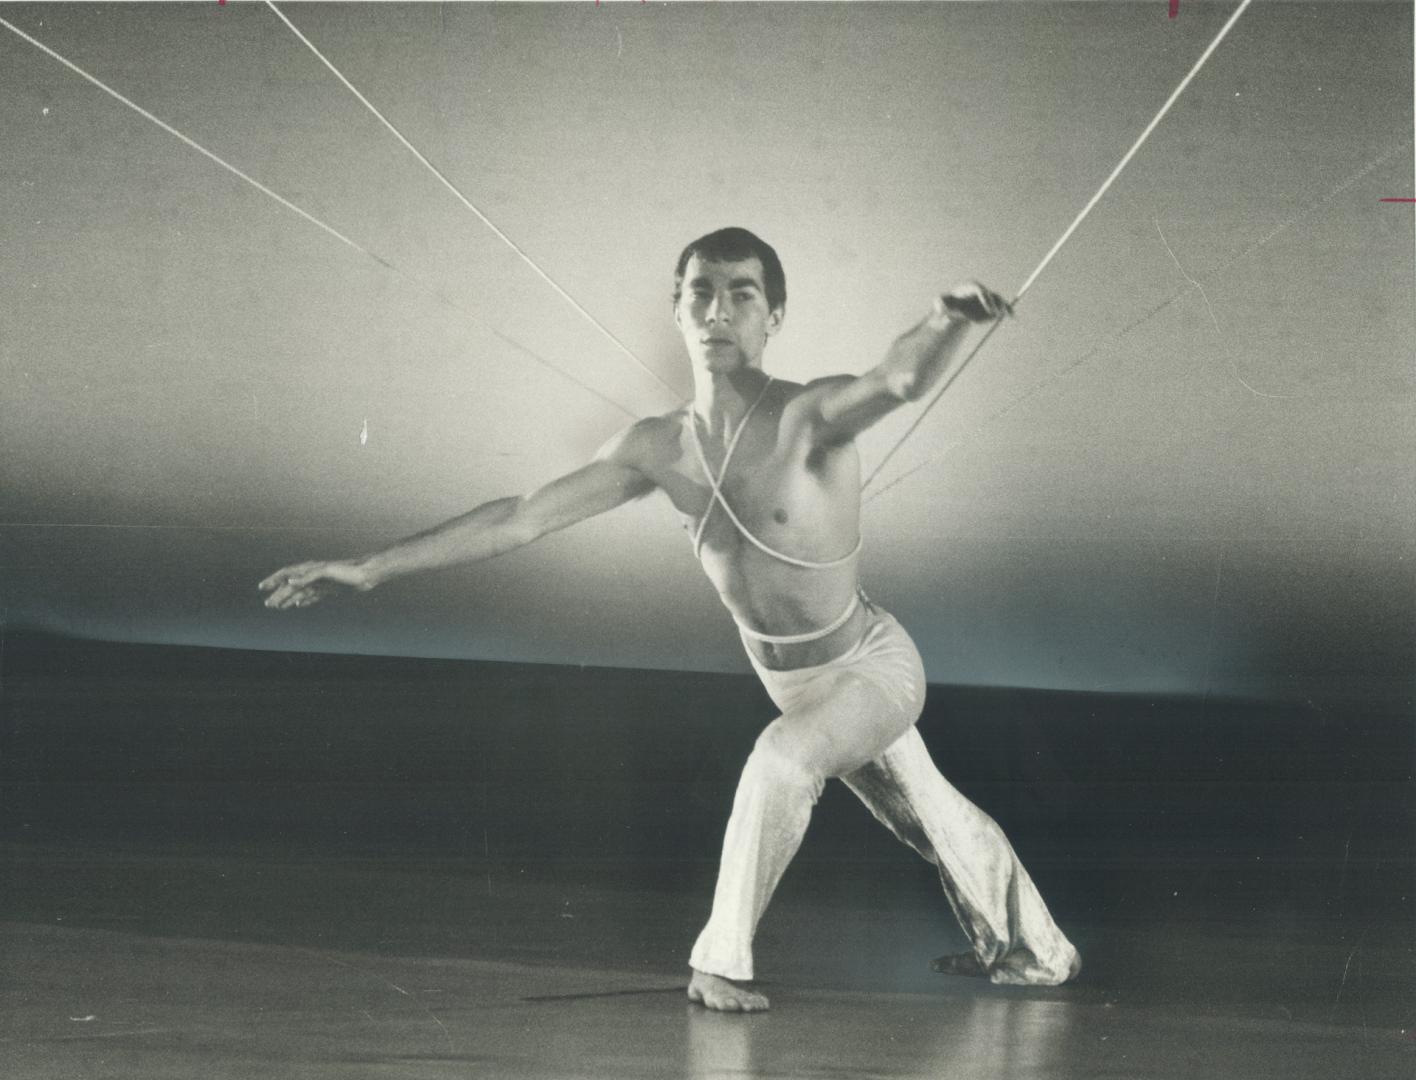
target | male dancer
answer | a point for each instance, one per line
(766, 475)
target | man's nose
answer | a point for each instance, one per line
(719, 309)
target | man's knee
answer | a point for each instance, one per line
(779, 759)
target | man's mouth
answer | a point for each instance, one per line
(717, 341)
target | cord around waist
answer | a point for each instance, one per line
(810, 635)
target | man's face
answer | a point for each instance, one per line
(723, 315)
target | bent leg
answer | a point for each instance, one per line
(842, 723)
(1014, 938)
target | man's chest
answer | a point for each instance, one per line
(783, 496)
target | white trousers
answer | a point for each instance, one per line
(853, 718)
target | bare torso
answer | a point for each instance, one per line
(800, 499)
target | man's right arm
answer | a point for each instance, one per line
(613, 478)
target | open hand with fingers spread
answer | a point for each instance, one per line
(308, 583)
(971, 302)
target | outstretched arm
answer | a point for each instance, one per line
(611, 479)
(847, 405)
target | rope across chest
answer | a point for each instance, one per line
(718, 500)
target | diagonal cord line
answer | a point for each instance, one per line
(919, 417)
(469, 205)
(1126, 160)
(306, 215)
(1087, 357)
(194, 145)
(1076, 222)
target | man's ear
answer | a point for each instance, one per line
(774, 319)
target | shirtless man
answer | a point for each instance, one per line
(766, 476)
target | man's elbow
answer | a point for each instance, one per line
(905, 384)
(521, 524)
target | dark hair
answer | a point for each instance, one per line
(731, 245)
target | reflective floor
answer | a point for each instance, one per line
(235, 865)
(154, 963)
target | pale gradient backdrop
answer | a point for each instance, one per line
(1215, 497)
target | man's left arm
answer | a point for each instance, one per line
(844, 406)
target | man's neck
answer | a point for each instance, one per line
(721, 399)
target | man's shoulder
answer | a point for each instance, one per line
(649, 441)
(659, 427)
(826, 383)
(801, 398)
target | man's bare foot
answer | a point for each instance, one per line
(965, 964)
(716, 992)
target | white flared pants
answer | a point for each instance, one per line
(854, 718)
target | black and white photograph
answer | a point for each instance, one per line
(556, 540)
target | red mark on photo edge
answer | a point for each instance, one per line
(1174, 8)
(1399, 200)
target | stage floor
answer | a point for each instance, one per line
(158, 963)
